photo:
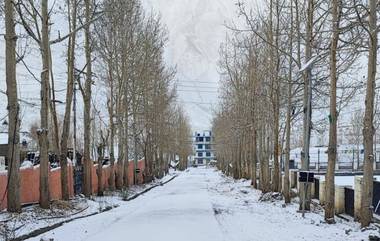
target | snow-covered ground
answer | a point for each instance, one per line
(33, 218)
(202, 204)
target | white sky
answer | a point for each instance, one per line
(196, 30)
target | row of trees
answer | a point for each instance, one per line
(293, 57)
(121, 51)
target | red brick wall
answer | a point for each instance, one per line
(30, 182)
(107, 172)
(141, 166)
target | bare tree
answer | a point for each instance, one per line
(72, 13)
(368, 129)
(86, 92)
(13, 185)
(43, 132)
(332, 150)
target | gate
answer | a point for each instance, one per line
(78, 179)
(349, 201)
(376, 197)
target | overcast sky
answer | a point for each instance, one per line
(196, 30)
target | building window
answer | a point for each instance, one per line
(207, 147)
(208, 139)
(200, 161)
(200, 139)
(208, 154)
(200, 146)
(200, 154)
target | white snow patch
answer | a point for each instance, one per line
(26, 165)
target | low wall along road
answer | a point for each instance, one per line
(30, 182)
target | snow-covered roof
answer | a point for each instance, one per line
(4, 137)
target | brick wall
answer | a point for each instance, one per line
(30, 182)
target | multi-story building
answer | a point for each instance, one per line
(203, 148)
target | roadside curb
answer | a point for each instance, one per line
(40, 231)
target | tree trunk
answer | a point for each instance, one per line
(276, 170)
(87, 162)
(307, 106)
(126, 153)
(332, 150)
(126, 126)
(100, 169)
(254, 159)
(53, 113)
(135, 154)
(266, 172)
(43, 132)
(286, 190)
(13, 192)
(120, 158)
(69, 99)
(111, 113)
(264, 162)
(368, 131)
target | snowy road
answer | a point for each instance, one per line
(202, 205)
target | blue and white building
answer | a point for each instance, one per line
(203, 148)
